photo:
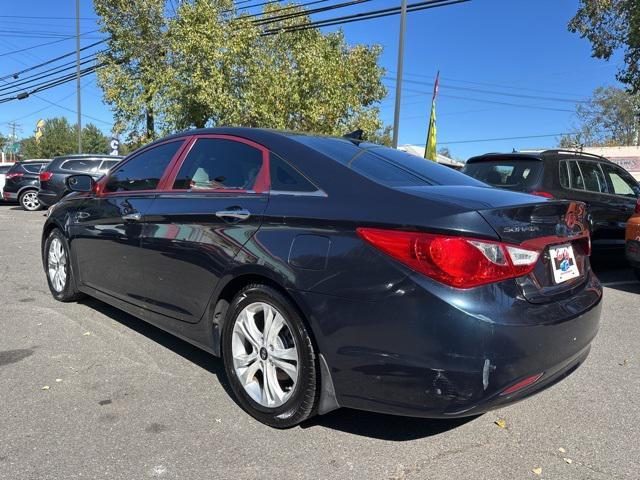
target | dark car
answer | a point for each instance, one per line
(329, 272)
(608, 190)
(53, 177)
(21, 183)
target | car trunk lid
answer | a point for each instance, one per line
(545, 226)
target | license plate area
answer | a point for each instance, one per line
(563, 263)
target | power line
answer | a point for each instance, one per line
(523, 137)
(43, 44)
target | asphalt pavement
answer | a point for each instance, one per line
(89, 392)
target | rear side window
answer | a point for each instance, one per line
(80, 165)
(620, 181)
(517, 174)
(593, 178)
(218, 164)
(107, 165)
(575, 176)
(144, 171)
(285, 178)
(564, 174)
(32, 167)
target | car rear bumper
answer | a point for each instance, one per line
(450, 353)
(9, 196)
(632, 252)
(47, 198)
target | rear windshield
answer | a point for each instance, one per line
(506, 173)
(33, 167)
(5, 169)
(387, 166)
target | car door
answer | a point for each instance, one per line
(624, 191)
(193, 232)
(106, 230)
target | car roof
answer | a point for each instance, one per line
(80, 156)
(35, 160)
(551, 154)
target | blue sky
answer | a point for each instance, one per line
(512, 50)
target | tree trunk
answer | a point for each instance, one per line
(150, 124)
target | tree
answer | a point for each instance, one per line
(93, 140)
(445, 151)
(59, 137)
(213, 66)
(609, 118)
(612, 25)
(132, 77)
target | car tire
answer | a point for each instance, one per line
(29, 200)
(280, 402)
(57, 265)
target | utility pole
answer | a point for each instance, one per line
(78, 76)
(13, 126)
(396, 113)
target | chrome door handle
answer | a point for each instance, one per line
(238, 215)
(132, 217)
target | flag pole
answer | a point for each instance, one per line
(430, 147)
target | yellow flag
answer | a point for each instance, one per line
(430, 149)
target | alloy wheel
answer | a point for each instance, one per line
(57, 265)
(30, 201)
(265, 354)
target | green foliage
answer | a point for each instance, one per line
(59, 137)
(210, 66)
(610, 118)
(134, 72)
(612, 25)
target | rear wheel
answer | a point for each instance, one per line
(29, 200)
(58, 268)
(269, 357)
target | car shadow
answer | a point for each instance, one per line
(385, 427)
(367, 424)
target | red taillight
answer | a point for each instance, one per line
(521, 384)
(45, 176)
(541, 194)
(456, 261)
(14, 175)
(637, 210)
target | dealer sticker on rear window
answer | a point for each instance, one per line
(563, 263)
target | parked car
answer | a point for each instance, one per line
(632, 240)
(21, 183)
(329, 272)
(53, 176)
(4, 168)
(607, 189)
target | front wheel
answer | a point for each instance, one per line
(57, 265)
(269, 357)
(29, 200)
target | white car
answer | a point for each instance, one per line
(4, 168)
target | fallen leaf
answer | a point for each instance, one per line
(624, 363)
(46, 387)
(568, 460)
(537, 471)
(562, 450)
(501, 423)
(86, 334)
(58, 380)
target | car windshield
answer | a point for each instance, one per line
(516, 174)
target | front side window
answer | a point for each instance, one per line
(593, 178)
(219, 164)
(621, 182)
(144, 171)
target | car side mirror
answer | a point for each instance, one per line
(80, 183)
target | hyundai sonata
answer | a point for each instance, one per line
(330, 272)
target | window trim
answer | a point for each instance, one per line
(599, 163)
(262, 182)
(162, 184)
(615, 167)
